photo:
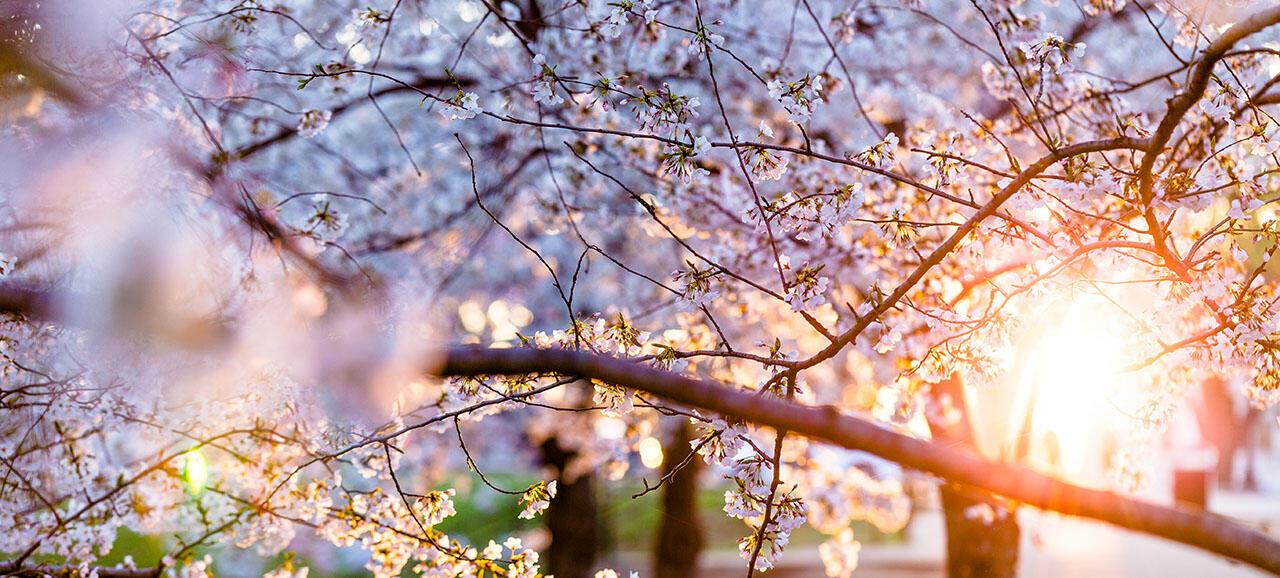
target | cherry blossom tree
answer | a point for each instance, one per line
(276, 272)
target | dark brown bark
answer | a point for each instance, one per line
(978, 545)
(573, 519)
(982, 533)
(9, 568)
(680, 536)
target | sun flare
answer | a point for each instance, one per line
(1072, 375)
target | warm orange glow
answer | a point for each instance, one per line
(651, 453)
(1072, 375)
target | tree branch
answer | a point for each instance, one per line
(1177, 108)
(10, 568)
(28, 301)
(1205, 531)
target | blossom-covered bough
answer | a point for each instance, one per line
(826, 423)
(240, 236)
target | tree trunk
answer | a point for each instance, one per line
(1242, 442)
(982, 534)
(1223, 427)
(680, 532)
(573, 519)
(1216, 416)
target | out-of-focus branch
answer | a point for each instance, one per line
(11, 568)
(1202, 530)
(286, 133)
(27, 300)
(19, 62)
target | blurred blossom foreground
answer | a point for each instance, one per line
(623, 288)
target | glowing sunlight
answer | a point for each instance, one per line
(1071, 377)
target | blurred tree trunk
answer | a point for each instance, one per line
(982, 535)
(573, 518)
(680, 531)
(531, 21)
(1221, 426)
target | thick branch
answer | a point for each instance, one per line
(27, 300)
(287, 133)
(1205, 531)
(1178, 106)
(10, 568)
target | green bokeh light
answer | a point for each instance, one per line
(195, 471)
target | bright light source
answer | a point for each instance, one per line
(502, 40)
(675, 335)
(611, 428)
(469, 11)
(651, 453)
(472, 317)
(360, 54)
(310, 301)
(521, 316)
(1074, 371)
(498, 312)
(195, 471)
(347, 35)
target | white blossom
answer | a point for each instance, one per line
(313, 122)
(537, 498)
(462, 106)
